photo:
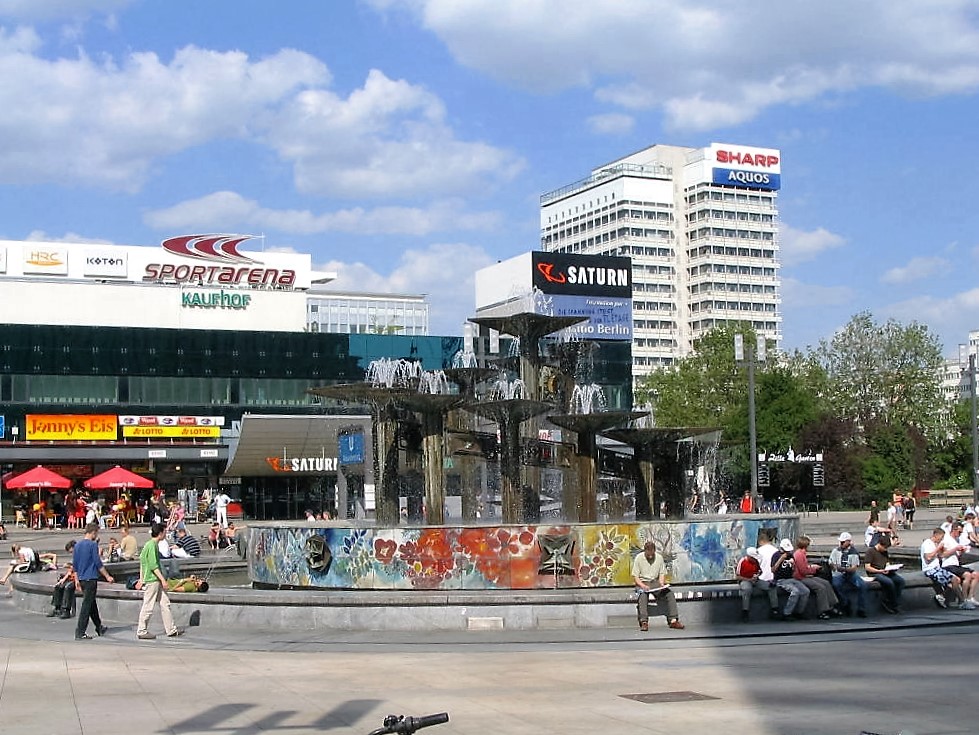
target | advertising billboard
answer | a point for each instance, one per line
(71, 427)
(597, 287)
(745, 166)
(47, 259)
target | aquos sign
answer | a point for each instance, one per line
(215, 260)
(752, 168)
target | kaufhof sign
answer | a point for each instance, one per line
(71, 427)
(743, 166)
(171, 427)
(215, 260)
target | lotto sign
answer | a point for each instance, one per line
(171, 432)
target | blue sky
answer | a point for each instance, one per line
(405, 143)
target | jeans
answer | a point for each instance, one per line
(63, 598)
(891, 586)
(747, 586)
(798, 595)
(89, 608)
(825, 597)
(852, 580)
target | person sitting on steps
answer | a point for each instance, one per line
(649, 574)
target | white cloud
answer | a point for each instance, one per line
(612, 123)
(951, 318)
(231, 212)
(68, 237)
(918, 269)
(107, 123)
(445, 272)
(796, 294)
(37, 10)
(709, 64)
(799, 246)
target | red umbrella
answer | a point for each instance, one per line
(119, 478)
(39, 477)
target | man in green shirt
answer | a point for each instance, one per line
(154, 588)
(649, 573)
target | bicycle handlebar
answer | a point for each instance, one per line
(401, 725)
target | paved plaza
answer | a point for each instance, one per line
(841, 676)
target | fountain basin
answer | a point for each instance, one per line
(497, 557)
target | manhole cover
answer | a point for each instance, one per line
(657, 697)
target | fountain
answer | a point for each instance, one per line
(586, 423)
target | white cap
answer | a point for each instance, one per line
(786, 545)
(845, 537)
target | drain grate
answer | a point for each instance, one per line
(660, 697)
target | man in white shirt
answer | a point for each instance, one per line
(949, 552)
(221, 502)
(946, 584)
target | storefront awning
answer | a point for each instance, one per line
(277, 445)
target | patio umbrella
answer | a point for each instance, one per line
(119, 478)
(39, 477)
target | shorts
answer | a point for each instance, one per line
(940, 575)
(958, 571)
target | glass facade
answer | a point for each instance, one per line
(367, 314)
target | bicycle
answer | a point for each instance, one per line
(407, 725)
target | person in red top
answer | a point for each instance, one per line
(826, 600)
(747, 504)
(748, 573)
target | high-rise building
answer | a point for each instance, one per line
(701, 227)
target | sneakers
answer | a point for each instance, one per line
(174, 633)
(52, 614)
(676, 624)
(774, 614)
(940, 601)
(101, 630)
(824, 616)
(644, 626)
(83, 637)
(146, 636)
(969, 605)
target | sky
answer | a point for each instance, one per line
(406, 143)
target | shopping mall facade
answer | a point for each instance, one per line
(189, 363)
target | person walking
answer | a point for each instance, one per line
(88, 568)
(154, 586)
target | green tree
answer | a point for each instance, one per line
(885, 374)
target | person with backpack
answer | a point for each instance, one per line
(749, 574)
(782, 569)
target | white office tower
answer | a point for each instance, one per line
(701, 227)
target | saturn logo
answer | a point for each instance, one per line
(209, 247)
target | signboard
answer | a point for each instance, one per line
(608, 318)
(747, 179)
(125, 421)
(70, 427)
(3, 260)
(105, 263)
(46, 259)
(303, 464)
(214, 300)
(351, 448)
(171, 432)
(582, 275)
(222, 264)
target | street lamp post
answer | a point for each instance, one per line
(754, 353)
(975, 432)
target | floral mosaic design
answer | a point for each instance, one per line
(501, 557)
